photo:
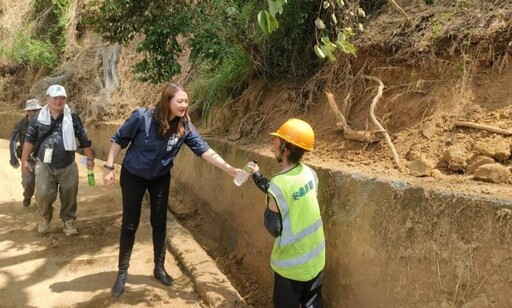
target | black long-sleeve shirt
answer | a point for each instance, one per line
(272, 220)
(18, 134)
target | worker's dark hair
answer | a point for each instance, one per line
(296, 152)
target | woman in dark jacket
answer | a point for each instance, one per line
(154, 137)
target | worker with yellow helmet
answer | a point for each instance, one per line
(292, 216)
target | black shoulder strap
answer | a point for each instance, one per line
(40, 140)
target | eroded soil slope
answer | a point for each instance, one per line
(446, 102)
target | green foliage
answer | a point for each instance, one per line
(226, 41)
(225, 25)
(334, 23)
(288, 51)
(42, 38)
(51, 20)
(24, 50)
(220, 34)
(219, 84)
(210, 27)
(160, 23)
(267, 22)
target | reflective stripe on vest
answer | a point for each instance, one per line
(300, 259)
(299, 252)
(287, 237)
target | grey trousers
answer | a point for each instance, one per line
(49, 181)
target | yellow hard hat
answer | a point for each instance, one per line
(297, 132)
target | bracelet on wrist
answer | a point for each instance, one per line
(108, 167)
(91, 159)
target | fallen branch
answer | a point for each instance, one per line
(348, 132)
(377, 97)
(483, 127)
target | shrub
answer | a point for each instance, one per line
(24, 50)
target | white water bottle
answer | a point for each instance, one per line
(243, 175)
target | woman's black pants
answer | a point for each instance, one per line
(133, 188)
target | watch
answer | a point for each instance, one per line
(108, 167)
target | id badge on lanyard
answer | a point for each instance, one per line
(48, 153)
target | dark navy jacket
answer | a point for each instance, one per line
(148, 156)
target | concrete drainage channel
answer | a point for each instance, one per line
(213, 286)
(383, 234)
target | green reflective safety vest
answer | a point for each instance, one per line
(299, 252)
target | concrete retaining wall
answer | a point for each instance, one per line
(389, 243)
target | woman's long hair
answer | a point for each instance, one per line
(166, 127)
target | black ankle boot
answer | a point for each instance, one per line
(162, 275)
(118, 288)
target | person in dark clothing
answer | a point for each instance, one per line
(154, 136)
(28, 180)
(52, 135)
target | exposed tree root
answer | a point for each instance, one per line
(483, 127)
(348, 132)
(400, 10)
(377, 97)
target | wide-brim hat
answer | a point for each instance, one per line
(32, 104)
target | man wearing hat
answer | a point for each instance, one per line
(52, 136)
(18, 134)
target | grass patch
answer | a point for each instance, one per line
(220, 83)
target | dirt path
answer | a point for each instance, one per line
(57, 271)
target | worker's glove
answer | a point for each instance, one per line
(14, 162)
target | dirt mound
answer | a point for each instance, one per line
(448, 29)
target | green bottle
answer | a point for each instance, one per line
(90, 177)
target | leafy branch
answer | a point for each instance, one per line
(335, 25)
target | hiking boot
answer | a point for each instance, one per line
(26, 202)
(68, 228)
(44, 225)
